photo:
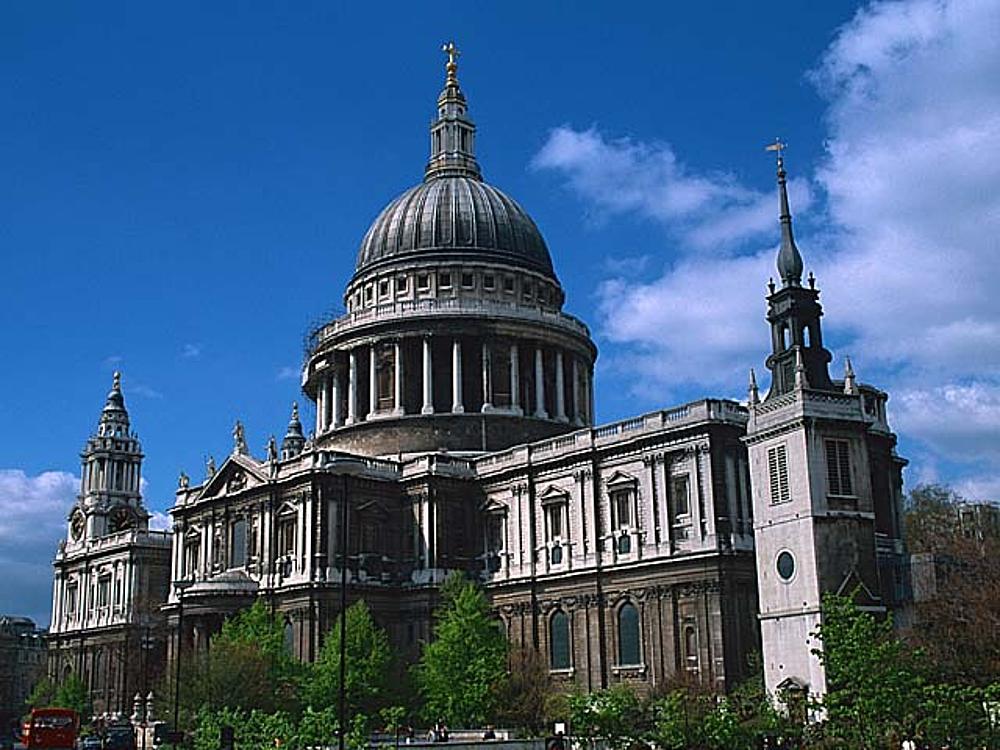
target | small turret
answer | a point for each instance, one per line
(294, 440)
(753, 393)
(850, 383)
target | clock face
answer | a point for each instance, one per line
(120, 520)
(76, 525)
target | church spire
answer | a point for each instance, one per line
(294, 440)
(789, 258)
(453, 133)
(114, 415)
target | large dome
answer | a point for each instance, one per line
(452, 213)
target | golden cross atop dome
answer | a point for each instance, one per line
(452, 51)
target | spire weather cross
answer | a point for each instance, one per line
(778, 146)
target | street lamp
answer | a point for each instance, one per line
(179, 586)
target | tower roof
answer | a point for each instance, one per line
(789, 259)
(114, 415)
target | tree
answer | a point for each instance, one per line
(957, 586)
(247, 668)
(528, 699)
(615, 716)
(460, 673)
(72, 693)
(369, 659)
(874, 683)
(42, 694)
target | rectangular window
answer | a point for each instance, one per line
(555, 514)
(383, 288)
(527, 289)
(777, 471)
(402, 283)
(467, 280)
(71, 601)
(679, 493)
(423, 281)
(286, 536)
(489, 282)
(508, 284)
(621, 502)
(838, 467)
(103, 590)
(238, 543)
(191, 551)
(494, 532)
(368, 293)
(444, 280)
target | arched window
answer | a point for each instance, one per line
(691, 647)
(559, 640)
(628, 635)
(289, 637)
(807, 338)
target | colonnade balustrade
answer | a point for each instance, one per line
(539, 390)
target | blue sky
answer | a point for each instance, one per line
(184, 188)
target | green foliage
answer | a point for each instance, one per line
(874, 682)
(42, 694)
(615, 715)
(461, 672)
(72, 693)
(369, 659)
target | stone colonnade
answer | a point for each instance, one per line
(534, 388)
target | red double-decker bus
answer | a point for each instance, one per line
(51, 729)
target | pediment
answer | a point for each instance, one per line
(553, 494)
(237, 474)
(853, 587)
(494, 507)
(373, 508)
(621, 479)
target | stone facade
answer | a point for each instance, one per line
(22, 664)
(111, 574)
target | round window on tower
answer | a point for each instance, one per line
(785, 565)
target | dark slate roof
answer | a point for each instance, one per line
(455, 214)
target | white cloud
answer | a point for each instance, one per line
(707, 211)
(191, 351)
(288, 373)
(141, 389)
(159, 521)
(910, 255)
(33, 512)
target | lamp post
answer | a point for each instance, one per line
(179, 586)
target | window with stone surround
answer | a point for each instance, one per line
(838, 468)
(559, 651)
(777, 472)
(192, 552)
(629, 647)
(238, 543)
(103, 591)
(71, 600)
(690, 647)
(286, 533)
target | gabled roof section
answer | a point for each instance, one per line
(237, 473)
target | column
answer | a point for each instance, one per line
(335, 416)
(372, 383)
(352, 387)
(456, 378)
(515, 381)
(428, 407)
(576, 391)
(321, 407)
(397, 380)
(487, 396)
(540, 385)
(560, 388)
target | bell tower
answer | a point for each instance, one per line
(109, 500)
(810, 443)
